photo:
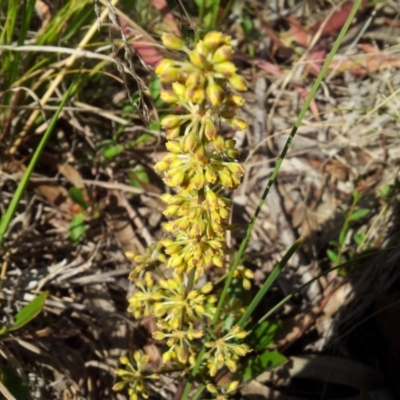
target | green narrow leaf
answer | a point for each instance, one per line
(139, 176)
(77, 227)
(15, 385)
(261, 363)
(76, 195)
(333, 256)
(362, 212)
(30, 311)
(155, 87)
(263, 335)
(113, 151)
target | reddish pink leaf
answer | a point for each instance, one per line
(300, 35)
(273, 69)
(315, 61)
(336, 21)
(167, 16)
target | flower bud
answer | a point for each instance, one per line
(223, 53)
(214, 39)
(214, 94)
(234, 100)
(196, 95)
(193, 80)
(238, 83)
(198, 60)
(210, 175)
(173, 147)
(227, 69)
(189, 142)
(198, 181)
(227, 112)
(219, 144)
(232, 153)
(237, 124)
(170, 121)
(168, 96)
(173, 133)
(209, 129)
(161, 167)
(167, 71)
(211, 199)
(172, 42)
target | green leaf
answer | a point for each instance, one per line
(261, 363)
(362, 212)
(139, 176)
(77, 197)
(113, 151)
(155, 87)
(359, 238)
(15, 385)
(263, 335)
(333, 256)
(30, 311)
(77, 227)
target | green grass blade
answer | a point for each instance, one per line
(269, 282)
(9, 214)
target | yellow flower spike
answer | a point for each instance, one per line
(227, 69)
(214, 93)
(238, 83)
(223, 53)
(172, 42)
(169, 97)
(174, 147)
(171, 121)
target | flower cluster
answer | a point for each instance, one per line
(200, 166)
